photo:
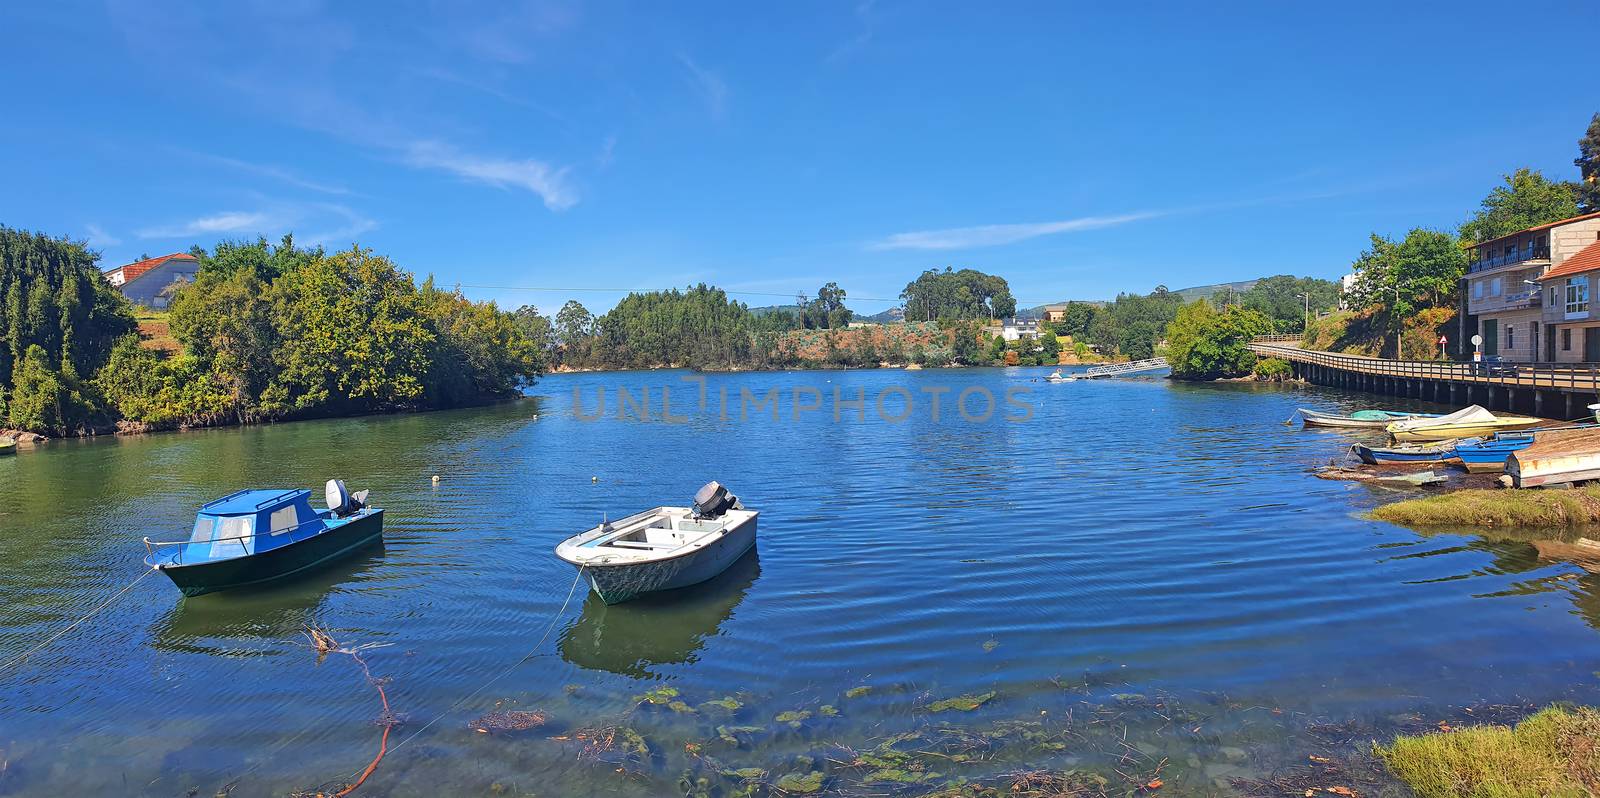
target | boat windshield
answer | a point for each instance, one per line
(229, 537)
(204, 528)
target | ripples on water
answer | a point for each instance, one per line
(1135, 537)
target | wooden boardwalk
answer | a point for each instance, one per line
(1543, 389)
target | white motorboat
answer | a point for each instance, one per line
(663, 548)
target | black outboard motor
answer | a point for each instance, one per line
(713, 500)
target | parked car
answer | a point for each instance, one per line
(1496, 366)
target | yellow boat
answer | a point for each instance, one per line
(1469, 422)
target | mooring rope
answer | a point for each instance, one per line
(383, 749)
(57, 636)
(502, 674)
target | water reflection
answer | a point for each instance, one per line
(1525, 551)
(225, 622)
(635, 637)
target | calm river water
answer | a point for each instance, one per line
(1143, 574)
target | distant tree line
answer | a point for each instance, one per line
(266, 332)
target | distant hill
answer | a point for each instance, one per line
(1208, 291)
(1037, 311)
(765, 309)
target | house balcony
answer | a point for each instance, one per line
(1523, 299)
(1523, 255)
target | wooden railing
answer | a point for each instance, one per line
(1583, 377)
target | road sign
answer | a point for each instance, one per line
(1443, 340)
(1477, 340)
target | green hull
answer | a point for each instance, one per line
(210, 577)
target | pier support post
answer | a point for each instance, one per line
(1538, 402)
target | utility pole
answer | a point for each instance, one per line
(1307, 297)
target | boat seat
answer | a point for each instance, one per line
(640, 544)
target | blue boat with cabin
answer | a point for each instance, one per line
(255, 536)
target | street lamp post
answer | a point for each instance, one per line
(1398, 324)
(1307, 297)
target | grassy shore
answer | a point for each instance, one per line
(1546, 507)
(1552, 753)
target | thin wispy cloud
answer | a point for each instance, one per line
(707, 84)
(992, 235)
(274, 172)
(551, 184)
(866, 22)
(350, 225)
(98, 237)
(219, 223)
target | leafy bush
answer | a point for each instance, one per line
(161, 392)
(1272, 369)
(1204, 344)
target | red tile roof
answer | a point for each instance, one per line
(1595, 215)
(1587, 260)
(134, 271)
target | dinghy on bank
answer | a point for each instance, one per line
(1361, 419)
(1468, 422)
(663, 548)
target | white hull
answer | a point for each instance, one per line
(661, 549)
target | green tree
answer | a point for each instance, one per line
(53, 297)
(44, 399)
(142, 386)
(258, 258)
(964, 346)
(1588, 163)
(1281, 299)
(1205, 344)
(1420, 271)
(1050, 345)
(997, 348)
(1078, 317)
(1131, 325)
(827, 311)
(226, 322)
(957, 295)
(1526, 200)
(361, 342)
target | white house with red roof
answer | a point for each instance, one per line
(147, 282)
(1530, 292)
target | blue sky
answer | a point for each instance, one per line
(1078, 149)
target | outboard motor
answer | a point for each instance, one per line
(340, 501)
(713, 500)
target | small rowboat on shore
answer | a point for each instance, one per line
(1469, 422)
(1361, 419)
(8, 445)
(663, 548)
(1375, 455)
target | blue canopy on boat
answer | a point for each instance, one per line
(247, 522)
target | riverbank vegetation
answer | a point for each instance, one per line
(1555, 752)
(265, 332)
(702, 328)
(1526, 507)
(1204, 343)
